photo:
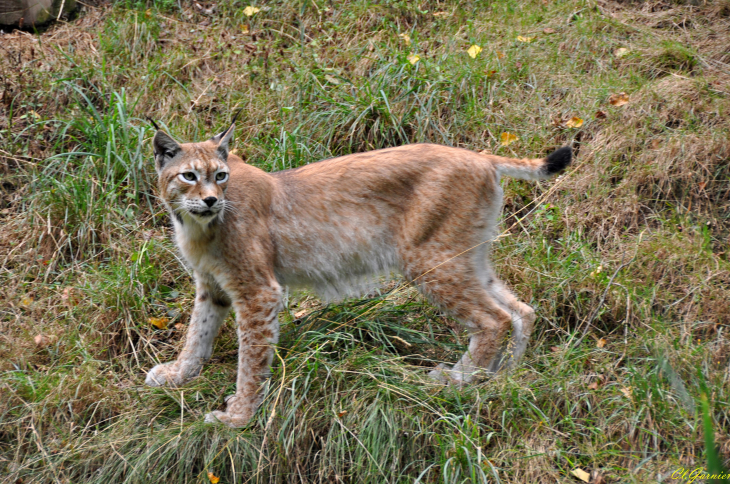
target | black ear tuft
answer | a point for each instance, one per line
(558, 160)
(165, 149)
(152, 121)
(224, 138)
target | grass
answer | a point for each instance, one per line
(624, 257)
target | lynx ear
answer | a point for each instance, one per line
(165, 149)
(224, 138)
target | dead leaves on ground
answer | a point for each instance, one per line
(159, 323)
(618, 99)
(474, 51)
(574, 122)
(507, 139)
(581, 474)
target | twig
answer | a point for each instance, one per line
(588, 322)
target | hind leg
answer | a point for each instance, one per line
(523, 320)
(460, 294)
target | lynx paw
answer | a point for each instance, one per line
(233, 421)
(440, 373)
(239, 412)
(446, 375)
(168, 375)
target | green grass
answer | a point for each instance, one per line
(624, 257)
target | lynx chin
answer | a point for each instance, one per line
(330, 226)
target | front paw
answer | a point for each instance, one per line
(166, 375)
(239, 411)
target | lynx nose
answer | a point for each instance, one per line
(210, 201)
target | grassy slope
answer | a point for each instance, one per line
(630, 246)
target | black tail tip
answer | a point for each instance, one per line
(558, 160)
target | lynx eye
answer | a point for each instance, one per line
(188, 176)
(221, 176)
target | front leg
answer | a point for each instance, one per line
(258, 332)
(211, 307)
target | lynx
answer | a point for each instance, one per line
(416, 209)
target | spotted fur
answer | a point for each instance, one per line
(417, 209)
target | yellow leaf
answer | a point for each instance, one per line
(508, 139)
(574, 122)
(618, 99)
(620, 52)
(627, 392)
(474, 51)
(212, 478)
(413, 58)
(160, 323)
(249, 11)
(581, 474)
(601, 343)
(26, 301)
(527, 40)
(332, 79)
(406, 38)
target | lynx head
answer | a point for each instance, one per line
(193, 176)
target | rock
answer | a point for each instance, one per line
(32, 13)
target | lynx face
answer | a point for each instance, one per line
(193, 177)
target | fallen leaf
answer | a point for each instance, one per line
(342, 413)
(42, 340)
(601, 343)
(574, 122)
(406, 38)
(518, 65)
(618, 99)
(441, 14)
(508, 139)
(332, 79)
(581, 474)
(474, 51)
(491, 73)
(620, 52)
(593, 386)
(179, 326)
(301, 313)
(26, 301)
(527, 40)
(213, 478)
(554, 349)
(549, 31)
(500, 55)
(702, 185)
(69, 296)
(248, 12)
(627, 392)
(159, 323)
(600, 115)
(413, 58)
